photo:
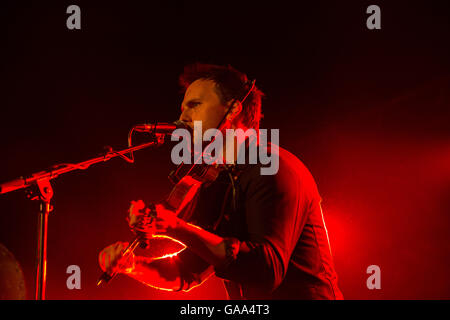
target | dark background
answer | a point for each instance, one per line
(367, 111)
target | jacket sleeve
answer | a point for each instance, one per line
(275, 216)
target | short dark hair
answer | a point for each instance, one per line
(230, 84)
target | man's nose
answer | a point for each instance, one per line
(185, 115)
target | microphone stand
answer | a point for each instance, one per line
(44, 193)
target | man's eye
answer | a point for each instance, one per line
(193, 104)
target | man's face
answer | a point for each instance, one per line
(202, 103)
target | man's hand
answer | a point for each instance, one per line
(110, 259)
(165, 221)
(135, 212)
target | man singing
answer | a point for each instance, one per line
(271, 241)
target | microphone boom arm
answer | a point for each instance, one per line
(57, 170)
(42, 179)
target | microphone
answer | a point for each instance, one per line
(160, 127)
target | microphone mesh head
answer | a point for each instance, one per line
(181, 125)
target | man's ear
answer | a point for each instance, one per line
(236, 109)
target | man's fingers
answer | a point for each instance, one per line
(101, 260)
(118, 249)
(134, 212)
(124, 245)
(109, 257)
(140, 205)
(159, 207)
